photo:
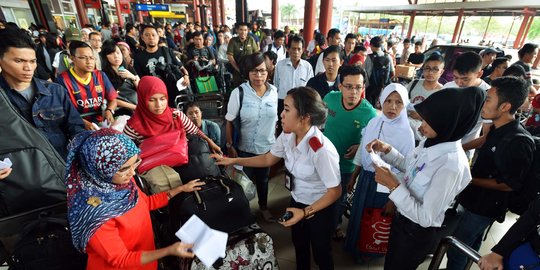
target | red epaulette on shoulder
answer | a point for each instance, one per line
(315, 143)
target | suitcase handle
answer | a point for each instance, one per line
(200, 203)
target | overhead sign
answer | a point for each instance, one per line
(384, 20)
(145, 7)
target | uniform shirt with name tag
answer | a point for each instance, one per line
(315, 169)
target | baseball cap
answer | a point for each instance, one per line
(488, 51)
(72, 34)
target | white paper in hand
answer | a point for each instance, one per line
(6, 163)
(208, 244)
(377, 161)
(180, 84)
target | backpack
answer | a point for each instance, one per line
(520, 199)
(170, 74)
(379, 78)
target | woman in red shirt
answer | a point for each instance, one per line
(108, 215)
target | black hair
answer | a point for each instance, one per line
(498, 61)
(51, 40)
(109, 47)
(359, 48)
(527, 48)
(376, 42)
(332, 32)
(406, 40)
(129, 26)
(76, 44)
(295, 38)
(418, 43)
(467, 62)
(308, 102)
(271, 55)
(191, 104)
(516, 71)
(279, 34)
(434, 57)
(513, 90)
(14, 38)
(146, 26)
(250, 62)
(350, 36)
(348, 70)
(242, 24)
(319, 39)
(332, 49)
(93, 33)
(196, 34)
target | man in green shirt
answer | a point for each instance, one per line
(348, 114)
(239, 47)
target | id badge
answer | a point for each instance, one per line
(289, 180)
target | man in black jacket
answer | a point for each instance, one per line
(328, 81)
(499, 169)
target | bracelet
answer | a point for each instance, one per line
(394, 188)
(169, 195)
(309, 213)
(110, 110)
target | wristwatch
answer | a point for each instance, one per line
(228, 145)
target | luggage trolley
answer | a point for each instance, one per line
(450, 241)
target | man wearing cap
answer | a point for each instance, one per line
(488, 56)
(61, 61)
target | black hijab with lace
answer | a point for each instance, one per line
(451, 112)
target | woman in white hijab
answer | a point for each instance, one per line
(392, 126)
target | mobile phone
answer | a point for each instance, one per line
(288, 215)
(121, 68)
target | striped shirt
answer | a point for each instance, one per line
(88, 95)
(189, 127)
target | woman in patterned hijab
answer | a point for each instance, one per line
(108, 215)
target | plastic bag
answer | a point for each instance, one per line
(243, 180)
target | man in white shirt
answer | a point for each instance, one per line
(467, 71)
(333, 38)
(278, 45)
(291, 72)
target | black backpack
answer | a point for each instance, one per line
(520, 199)
(170, 74)
(379, 78)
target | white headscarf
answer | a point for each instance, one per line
(395, 132)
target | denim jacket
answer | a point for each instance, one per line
(51, 112)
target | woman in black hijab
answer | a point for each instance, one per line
(434, 173)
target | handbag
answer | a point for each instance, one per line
(168, 149)
(206, 84)
(161, 178)
(374, 232)
(200, 164)
(523, 257)
(243, 180)
(127, 92)
(220, 203)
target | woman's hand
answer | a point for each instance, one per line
(191, 186)
(492, 261)
(385, 177)
(4, 173)
(215, 148)
(181, 249)
(125, 74)
(298, 214)
(224, 161)
(231, 151)
(350, 185)
(378, 146)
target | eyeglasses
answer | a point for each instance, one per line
(125, 171)
(86, 58)
(98, 40)
(259, 72)
(433, 70)
(351, 87)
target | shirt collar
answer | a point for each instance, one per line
(40, 87)
(440, 149)
(289, 62)
(303, 146)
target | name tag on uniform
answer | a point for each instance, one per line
(289, 180)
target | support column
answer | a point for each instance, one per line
(196, 14)
(309, 21)
(42, 13)
(458, 26)
(223, 15)
(521, 30)
(81, 12)
(119, 13)
(241, 11)
(411, 24)
(214, 12)
(325, 17)
(275, 14)
(536, 62)
(531, 18)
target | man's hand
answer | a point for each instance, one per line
(88, 125)
(492, 261)
(109, 116)
(351, 151)
(4, 173)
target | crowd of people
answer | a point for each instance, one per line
(325, 107)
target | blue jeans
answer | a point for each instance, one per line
(341, 203)
(470, 230)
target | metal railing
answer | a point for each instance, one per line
(450, 241)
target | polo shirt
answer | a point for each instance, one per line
(239, 49)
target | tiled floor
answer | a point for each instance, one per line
(279, 198)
